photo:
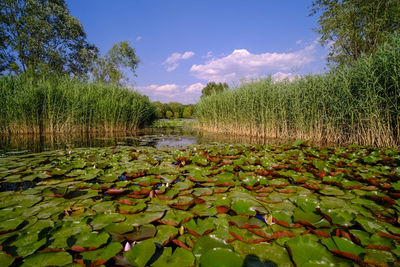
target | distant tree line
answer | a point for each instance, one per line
(173, 110)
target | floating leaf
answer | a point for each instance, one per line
(220, 257)
(180, 257)
(48, 259)
(105, 253)
(141, 253)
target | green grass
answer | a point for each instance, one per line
(358, 104)
(63, 104)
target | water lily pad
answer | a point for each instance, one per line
(307, 252)
(244, 207)
(28, 243)
(205, 243)
(105, 253)
(220, 257)
(102, 220)
(343, 245)
(141, 233)
(165, 233)
(180, 257)
(10, 225)
(5, 260)
(141, 253)
(91, 240)
(48, 259)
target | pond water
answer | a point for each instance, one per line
(177, 137)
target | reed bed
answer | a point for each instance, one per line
(64, 104)
(358, 104)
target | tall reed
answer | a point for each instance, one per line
(64, 104)
(356, 104)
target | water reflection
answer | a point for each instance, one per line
(155, 137)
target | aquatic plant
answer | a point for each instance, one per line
(208, 205)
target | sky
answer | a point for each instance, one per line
(183, 44)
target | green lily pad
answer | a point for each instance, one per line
(141, 253)
(244, 207)
(141, 233)
(165, 233)
(105, 253)
(10, 225)
(220, 257)
(307, 252)
(180, 257)
(205, 243)
(343, 245)
(5, 260)
(48, 259)
(92, 240)
(102, 220)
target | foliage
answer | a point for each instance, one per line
(42, 36)
(177, 110)
(357, 104)
(168, 114)
(214, 205)
(110, 69)
(213, 88)
(63, 104)
(353, 27)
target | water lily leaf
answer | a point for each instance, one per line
(220, 257)
(141, 233)
(65, 230)
(5, 260)
(102, 220)
(343, 245)
(244, 207)
(91, 240)
(380, 256)
(306, 217)
(265, 251)
(48, 259)
(129, 209)
(165, 233)
(308, 252)
(331, 191)
(182, 203)
(105, 253)
(340, 216)
(199, 227)
(371, 226)
(180, 257)
(28, 243)
(10, 225)
(141, 253)
(143, 217)
(175, 217)
(205, 243)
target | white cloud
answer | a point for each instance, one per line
(280, 76)
(299, 42)
(138, 38)
(243, 64)
(185, 94)
(154, 88)
(172, 62)
(197, 87)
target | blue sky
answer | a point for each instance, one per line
(183, 44)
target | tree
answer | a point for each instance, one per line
(353, 27)
(169, 114)
(212, 87)
(110, 69)
(41, 35)
(187, 112)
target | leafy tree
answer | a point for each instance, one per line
(169, 114)
(187, 112)
(354, 27)
(110, 68)
(41, 35)
(212, 87)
